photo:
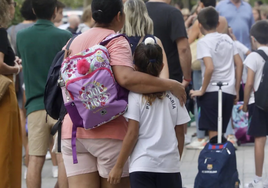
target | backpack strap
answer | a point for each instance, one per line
(110, 38)
(262, 54)
(70, 42)
(135, 41)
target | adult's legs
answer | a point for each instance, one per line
(11, 144)
(39, 126)
(259, 154)
(34, 171)
(62, 177)
(89, 180)
(124, 183)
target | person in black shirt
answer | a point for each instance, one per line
(10, 134)
(170, 29)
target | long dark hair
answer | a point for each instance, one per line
(148, 59)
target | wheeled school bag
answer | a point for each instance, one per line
(217, 161)
(93, 97)
(261, 99)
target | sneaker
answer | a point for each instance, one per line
(265, 184)
(197, 144)
(253, 184)
(55, 172)
(233, 140)
(25, 174)
(48, 156)
(187, 139)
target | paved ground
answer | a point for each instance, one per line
(245, 165)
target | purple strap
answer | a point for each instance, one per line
(77, 122)
(110, 38)
(75, 161)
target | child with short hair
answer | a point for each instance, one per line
(221, 62)
(155, 136)
(258, 126)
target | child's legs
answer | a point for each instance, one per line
(209, 112)
(197, 83)
(142, 180)
(170, 180)
(259, 154)
(229, 130)
(258, 128)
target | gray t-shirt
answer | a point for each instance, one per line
(13, 30)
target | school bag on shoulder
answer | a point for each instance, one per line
(93, 97)
(53, 100)
(134, 41)
(217, 166)
(53, 96)
(261, 99)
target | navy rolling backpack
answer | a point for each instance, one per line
(217, 161)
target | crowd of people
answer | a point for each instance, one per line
(169, 49)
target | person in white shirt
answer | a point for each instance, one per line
(155, 136)
(243, 52)
(258, 127)
(221, 62)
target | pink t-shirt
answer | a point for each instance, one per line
(120, 54)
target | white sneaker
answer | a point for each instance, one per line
(55, 171)
(233, 140)
(48, 156)
(253, 184)
(197, 144)
(265, 184)
(187, 139)
(25, 174)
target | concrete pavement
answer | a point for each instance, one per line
(245, 165)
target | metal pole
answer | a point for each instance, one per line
(220, 117)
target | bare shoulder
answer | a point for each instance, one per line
(223, 25)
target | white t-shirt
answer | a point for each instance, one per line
(256, 63)
(242, 50)
(157, 146)
(221, 48)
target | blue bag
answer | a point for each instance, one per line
(217, 167)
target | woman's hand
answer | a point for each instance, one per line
(179, 91)
(115, 175)
(197, 93)
(18, 60)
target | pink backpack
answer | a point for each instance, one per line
(93, 96)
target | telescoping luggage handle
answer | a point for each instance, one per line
(220, 85)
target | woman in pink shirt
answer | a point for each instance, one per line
(99, 148)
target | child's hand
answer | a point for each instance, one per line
(115, 175)
(245, 108)
(197, 93)
(236, 99)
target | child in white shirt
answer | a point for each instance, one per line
(221, 63)
(258, 126)
(155, 137)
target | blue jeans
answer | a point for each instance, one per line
(197, 83)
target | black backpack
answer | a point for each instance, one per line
(53, 97)
(261, 99)
(53, 100)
